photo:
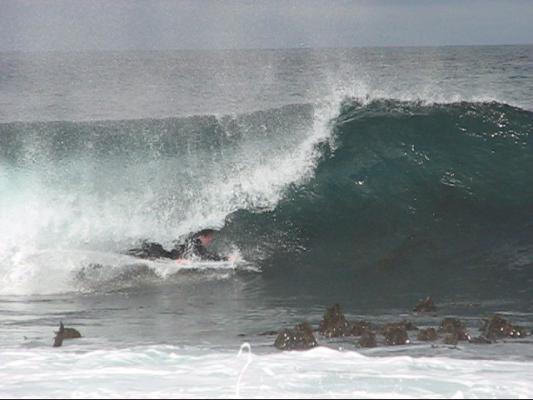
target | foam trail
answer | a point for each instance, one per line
(168, 371)
(244, 346)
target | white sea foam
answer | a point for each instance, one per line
(167, 371)
(55, 212)
(59, 271)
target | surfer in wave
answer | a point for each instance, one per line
(194, 247)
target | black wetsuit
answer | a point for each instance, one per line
(192, 248)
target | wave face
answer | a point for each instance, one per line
(102, 186)
(411, 189)
(410, 192)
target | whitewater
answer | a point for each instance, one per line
(367, 177)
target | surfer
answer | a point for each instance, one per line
(195, 246)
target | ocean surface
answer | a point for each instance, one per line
(366, 177)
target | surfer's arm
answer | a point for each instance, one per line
(150, 250)
(178, 252)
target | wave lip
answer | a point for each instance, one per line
(102, 186)
(408, 185)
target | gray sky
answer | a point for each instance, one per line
(30, 25)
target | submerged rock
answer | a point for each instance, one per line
(406, 325)
(299, 338)
(425, 306)
(368, 339)
(497, 327)
(359, 328)
(455, 329)
(451, 325)
(427, 335)
(409, 326)
(64, 334)
(334, 323)
(480, 340)
(395, 334)
(451, 339)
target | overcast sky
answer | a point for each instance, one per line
(30, 25)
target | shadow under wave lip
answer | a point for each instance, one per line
(439, 199)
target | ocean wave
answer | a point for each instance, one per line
(411, 188)
(349, 183)
(103, 186)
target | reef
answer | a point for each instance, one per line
(301, 337)
(406, 325)
(497, 327)
(451, 331)
(368, 339)
(427, 335)
(334, 323)
(455, 330)
(359, 328)
(395, 334)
